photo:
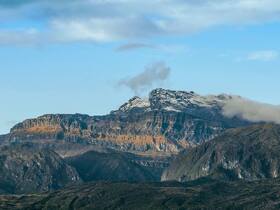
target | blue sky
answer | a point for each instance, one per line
(61, 57)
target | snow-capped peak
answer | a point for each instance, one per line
(180, 100)
(176, 101)
(135, 102)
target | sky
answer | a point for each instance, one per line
(90, 56)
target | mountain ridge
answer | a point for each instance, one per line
(169, 121)
(248, 153)
(26, 168)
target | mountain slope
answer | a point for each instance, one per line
(117, 166)
(31, 168)
(248, 153)
(203, 194)
(27, 169)
(169, 121)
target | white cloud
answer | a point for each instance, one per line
(251, 110)
(110, 20)
(266, 55)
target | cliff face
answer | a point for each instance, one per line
(168, 121)
(249, 153)
(28, 169)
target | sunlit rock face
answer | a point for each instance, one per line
(166, 121)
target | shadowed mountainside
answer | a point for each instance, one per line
(28, 169)
(248, 153)
(117, 166)
(201, 194)
(33, 168)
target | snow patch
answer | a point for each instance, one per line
(135, 102)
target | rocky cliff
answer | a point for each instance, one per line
(27, 169)
(167, 121)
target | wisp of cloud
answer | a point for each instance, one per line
(265, 55)
(133, 46)
(153, 74)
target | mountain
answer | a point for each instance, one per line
(114, 161)
(168, 121)
(27, 169)
(32, 168)
(248, 153)
(117, 166)
(202, 194)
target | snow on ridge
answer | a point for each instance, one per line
(230, 105)
(180, 100)
(135, 102)
(176, 101)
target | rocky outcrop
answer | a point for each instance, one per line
(248, 153)
(168, 121)
(28, 169)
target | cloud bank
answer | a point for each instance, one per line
(251, 110)
(153, 74)
(111, 20)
